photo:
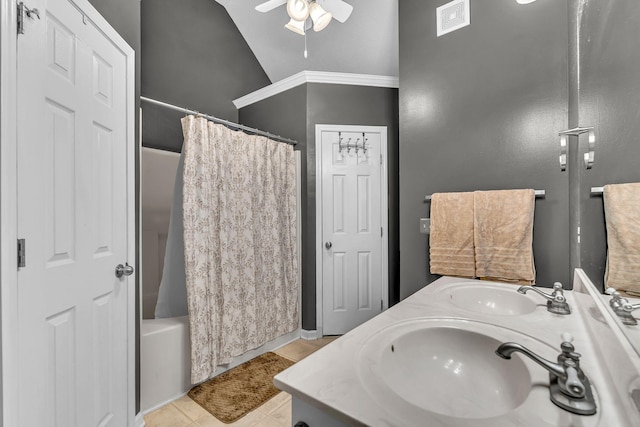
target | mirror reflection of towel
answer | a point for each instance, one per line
(622, 216)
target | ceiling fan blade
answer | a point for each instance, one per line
(338, 8)
(269, 5)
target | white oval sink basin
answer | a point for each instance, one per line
(491, 300)
(446, 367)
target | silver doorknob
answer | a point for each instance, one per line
(123, 270)
(328, 245)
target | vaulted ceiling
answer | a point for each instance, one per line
(367, 43)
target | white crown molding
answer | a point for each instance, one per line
(315, 77)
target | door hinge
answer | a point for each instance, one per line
(380, 158)
(22, 11)
(381, 231)
(381, 305)
(22, 253)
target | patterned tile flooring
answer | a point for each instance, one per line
(184, 412)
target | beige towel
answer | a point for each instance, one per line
(451, 235)
(503, 235)
(622, 215)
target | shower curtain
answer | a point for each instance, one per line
(239, 213)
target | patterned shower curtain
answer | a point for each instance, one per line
(239, 207)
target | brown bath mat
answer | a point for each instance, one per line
(233, 394)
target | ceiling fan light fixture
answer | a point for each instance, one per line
(298, 10)
(320, 17)
(295, 26)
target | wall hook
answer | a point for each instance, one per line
(589, 159)
(563, 152)
(577, 131)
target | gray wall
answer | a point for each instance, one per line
(609, 99)
(294, 114)
(480, 109)
(193, 56)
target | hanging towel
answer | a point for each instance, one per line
(622, 216)
(451, 235)
(503, 235)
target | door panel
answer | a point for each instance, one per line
(352, 266)
(72, 211)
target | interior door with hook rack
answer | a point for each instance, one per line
(352, 221)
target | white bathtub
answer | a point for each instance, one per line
(165, 361)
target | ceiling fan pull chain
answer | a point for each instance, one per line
(305, 45)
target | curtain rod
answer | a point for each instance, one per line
(217, 120)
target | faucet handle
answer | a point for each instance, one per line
(619, 302)
(558, 294)
(566, 337)
(615, 295)
(572, 382)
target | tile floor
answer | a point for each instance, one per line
(184, 412)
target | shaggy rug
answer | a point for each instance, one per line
(233, 394)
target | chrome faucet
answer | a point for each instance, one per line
(569, 387)
(556, 301)
(622, 307)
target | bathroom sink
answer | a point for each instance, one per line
(446, 367)
(491, 299)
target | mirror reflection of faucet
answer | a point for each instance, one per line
(622, 307)
(569, 387)
(556, 301)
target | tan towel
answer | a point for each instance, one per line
(622, 215)
(503, 235)
(451, 235)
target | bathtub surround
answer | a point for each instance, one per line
(239, 212)
(172, 291)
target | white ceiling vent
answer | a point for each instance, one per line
(452, 16)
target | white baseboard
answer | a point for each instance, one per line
(163, 403)
(309, 335)
(139, 421)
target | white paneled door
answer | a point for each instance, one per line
(353, 225)
(74, 195)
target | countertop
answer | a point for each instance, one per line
(335, 378)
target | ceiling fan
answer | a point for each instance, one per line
(320, 11)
